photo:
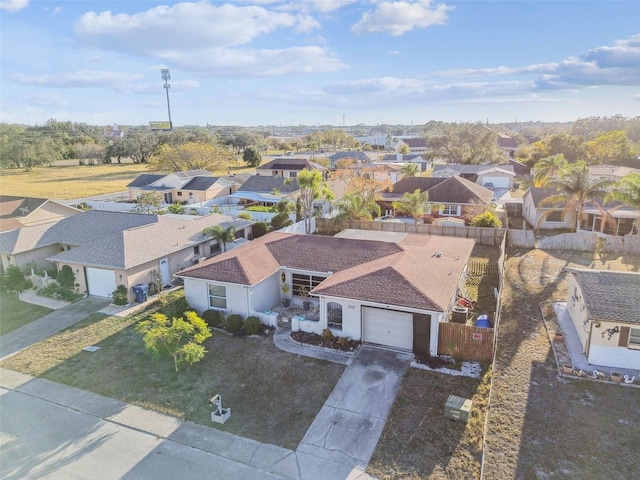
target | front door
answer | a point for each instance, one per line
(421, 333)
(165, 272)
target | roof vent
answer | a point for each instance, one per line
(437, 254)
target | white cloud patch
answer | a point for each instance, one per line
(469, 72)
(48, 99)
(80, 78)
(13, 5)
(384, 85)
(223, 62)
(398, 18)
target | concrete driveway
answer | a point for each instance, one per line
(344, 434)
(50, 324)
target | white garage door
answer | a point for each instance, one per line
(101, 283)
(498, 182)
(388, 327)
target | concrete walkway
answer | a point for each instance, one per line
(50, 324)
(31, 296)
(282, 340)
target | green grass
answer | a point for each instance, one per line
(15, 313)
(274, 395)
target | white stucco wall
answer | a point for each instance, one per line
(606, 352)
(577, 310)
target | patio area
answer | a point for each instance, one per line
(572, 348)
(285, 314)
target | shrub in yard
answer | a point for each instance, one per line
(343, 342)
(245, 216)
(486, 219)
(260, 228)
(252, 325)
(234, 323)
(177, 308)
(212, 317)
(120, 296)
(13, 280)
(179, 338)
(66, 278)
(327, 336)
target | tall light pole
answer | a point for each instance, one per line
(166, 77)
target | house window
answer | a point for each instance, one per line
(634, 337)
(179, 194)
(214, 248)
(556, 216)
(301, 282)
(196, 250)
(217, 296)
(334, 315)
(293, 174)
(450, 210)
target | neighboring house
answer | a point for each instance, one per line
(519, 168)
(188, 187)
(265, 190)
(540, 215)
(455, 194)
(392, 289)
(603, 307)
(416, 145)
(508, 145)
(356, 155)
(17, 212)
(288, 167)
(401, 159)
(495, 176)
(114, 133)
(107, 249)
(614, 172)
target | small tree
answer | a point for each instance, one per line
(149, 202)
(180, 338)
(486, 219)
(14, 281)
(221, 234)
(252, 156)
(176, 208)
(66, 278)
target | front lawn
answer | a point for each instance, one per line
(15, 313)
(274, 395)
(419, 443)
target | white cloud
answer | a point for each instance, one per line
(183, 25)
(13, 5)
(397, 18)
(48, 99)
(306, 23)
(223, 62)
(384, 85)
(80, 78)
(468, 72)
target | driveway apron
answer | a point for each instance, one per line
(343, 436)
(50, 324)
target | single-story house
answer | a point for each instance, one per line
(415, 144)
(18, 212)
(265, 190)
(288, 167)
(193, 186)
(507, 145)
(107, 249)
(489, 175)
(455, 194)
(546, 216)
(603, 306)
(385, 288)
(400, 159)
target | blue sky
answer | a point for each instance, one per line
(318, 62)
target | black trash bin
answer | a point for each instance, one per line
(141, 292)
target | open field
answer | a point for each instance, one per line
(542, 426)
(274, 396)
(67, 182)
(15, 314)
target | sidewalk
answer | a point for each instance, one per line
(282, 340)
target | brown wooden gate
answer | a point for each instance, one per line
(465, 342)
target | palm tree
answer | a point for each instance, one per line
(409, 170)
(548, 167)
(576, 188)
(627, 191)
(354, 207)
(415, 204)
(221, 234)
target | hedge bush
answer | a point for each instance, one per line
(234, 323)
(252, 325)
(213, 318)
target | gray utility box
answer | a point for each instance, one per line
(457, 408)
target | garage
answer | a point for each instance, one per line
(100, 282)
(387, 327)
(498, 182)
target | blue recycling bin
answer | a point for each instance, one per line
(141, 292)
(483, 321)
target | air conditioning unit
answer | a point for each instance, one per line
(457, 408)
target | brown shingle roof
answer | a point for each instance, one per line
(405, 273)
(609, 295)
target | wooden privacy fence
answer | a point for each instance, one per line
(465, 342)
(482, 235)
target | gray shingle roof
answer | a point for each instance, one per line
(610, 295)
(454, 189)
(200, 183)
(285, 163)
(473, 169)
(266, 184)
(145, 180)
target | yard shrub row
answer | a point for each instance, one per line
(233, 323)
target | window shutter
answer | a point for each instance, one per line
(623, 341)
